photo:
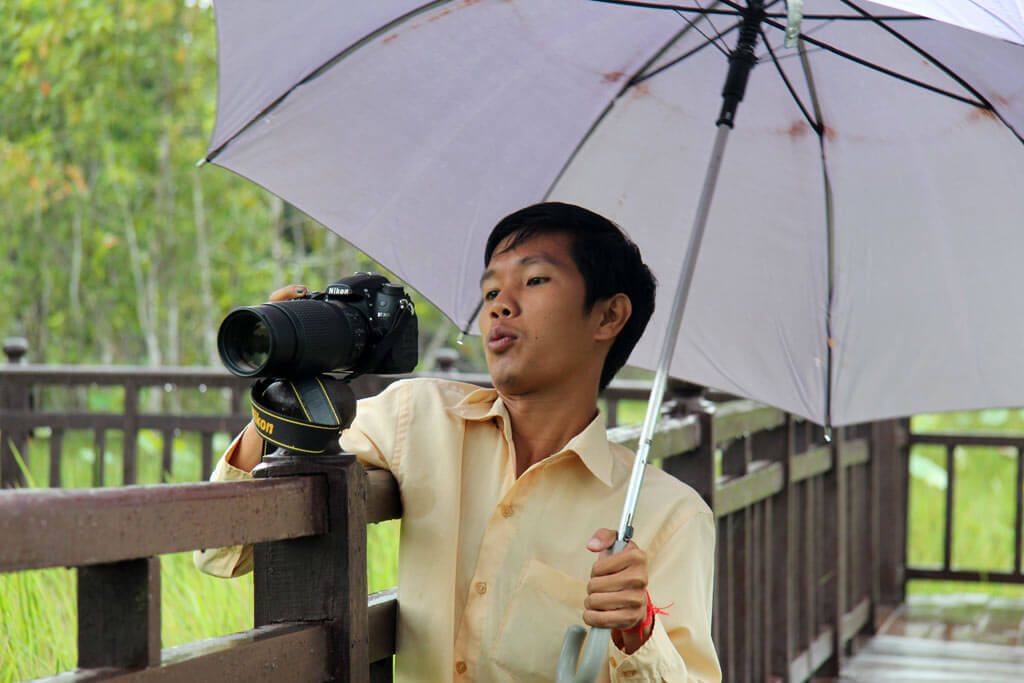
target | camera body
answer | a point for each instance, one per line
(357, 325)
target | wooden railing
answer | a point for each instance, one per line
(802, 564)
(946, 571)
(27, 406)
(313, 620)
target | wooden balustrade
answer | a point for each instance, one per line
(799, 553)
(23, 386)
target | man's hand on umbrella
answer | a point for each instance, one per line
(617, 592)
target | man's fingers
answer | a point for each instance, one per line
(632, 579)
(289, 292)
(631, 600)
(616, 619)
(627, 557)
(602, 540)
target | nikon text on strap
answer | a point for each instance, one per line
(312, 432)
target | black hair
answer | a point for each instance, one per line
(608, 260)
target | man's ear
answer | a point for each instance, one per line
(615, 311)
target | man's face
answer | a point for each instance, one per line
(536, 334)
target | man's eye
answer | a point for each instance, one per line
(537, 281)
(490, 294)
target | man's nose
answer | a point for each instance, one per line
(502, 306)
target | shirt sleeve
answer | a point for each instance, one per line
(371, 438)
(680, 648)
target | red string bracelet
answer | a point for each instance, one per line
(649, 619)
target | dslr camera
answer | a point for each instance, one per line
(359, 324)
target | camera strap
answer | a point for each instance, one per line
(312, 433)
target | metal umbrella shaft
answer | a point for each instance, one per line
(741, 61)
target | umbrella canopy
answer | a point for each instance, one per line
(861, 255)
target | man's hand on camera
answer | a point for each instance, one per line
(249, 449)
(617, 592)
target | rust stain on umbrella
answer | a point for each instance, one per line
(440, 15)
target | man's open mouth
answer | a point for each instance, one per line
(500, 339)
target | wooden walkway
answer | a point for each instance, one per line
(951, 638)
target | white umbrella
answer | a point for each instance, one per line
(412, 140)
(861, 257)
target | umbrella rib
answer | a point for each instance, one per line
(397, 21)
(735, 9)
(829, 227)
(881, 69)
(635, 80)
(640, 79)
(816, 125)
(710, 39)
(983, 102)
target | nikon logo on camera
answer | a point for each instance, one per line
(265, 426)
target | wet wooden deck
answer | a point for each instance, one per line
(951, 638)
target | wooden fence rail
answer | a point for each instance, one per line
(799, 567)
(24, 409)
(113, 535)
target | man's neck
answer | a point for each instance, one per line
(543, 424)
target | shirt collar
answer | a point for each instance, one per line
(591, 444)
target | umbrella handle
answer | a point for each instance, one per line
(596, 652)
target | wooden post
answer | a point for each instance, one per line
(891, 462)
(119, 614)
(835, 553)
(14, 398)
(321, 578)
(783, 527)
(130, 461)
(698, 470)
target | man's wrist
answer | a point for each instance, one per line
(631, 640)
(248, 450)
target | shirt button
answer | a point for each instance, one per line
(507, 511)
(481, 587)
(460, 667)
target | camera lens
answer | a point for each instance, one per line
(252, 344)
(245, 342)
(299, 338)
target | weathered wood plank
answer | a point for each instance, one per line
(382, 500)
(119, 614)
(855, 452)
(671, 437)
(738, 418)
(963, 575)
(322, 577)
(764, 480)
(382, 617)
(811, 659)
(967, 440)
(814, 462)
(280, 652)
(854, 620)
(74, 527)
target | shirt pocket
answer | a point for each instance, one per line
(544, 604)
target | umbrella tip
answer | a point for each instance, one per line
(201, 163)
(794, 17)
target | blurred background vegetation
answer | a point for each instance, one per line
(116, 248)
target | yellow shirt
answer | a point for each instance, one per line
(493, 569)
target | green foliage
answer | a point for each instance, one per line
(116, 248)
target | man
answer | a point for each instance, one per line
(502, 488)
